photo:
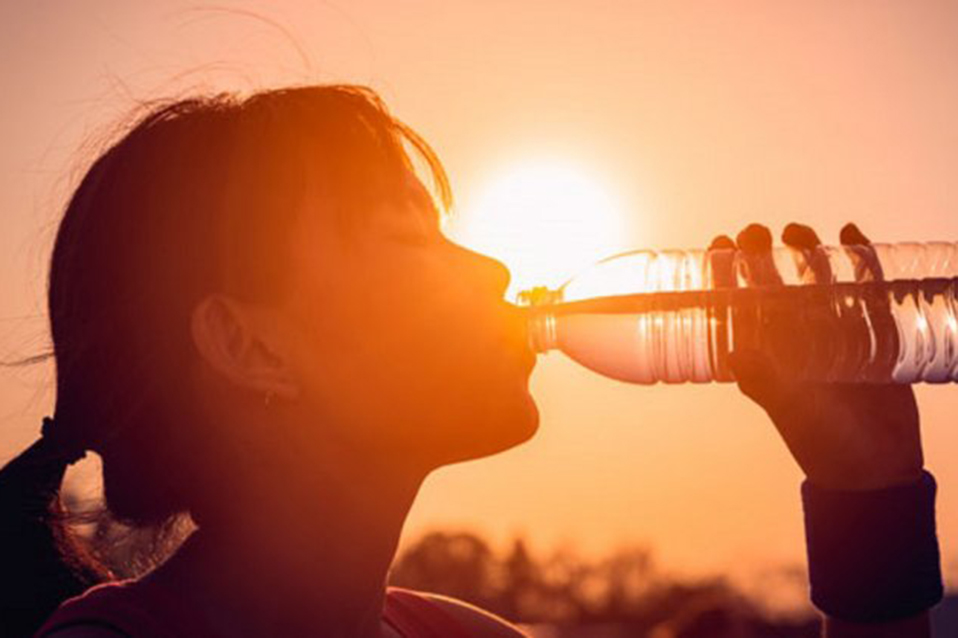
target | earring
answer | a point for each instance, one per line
(268, 398)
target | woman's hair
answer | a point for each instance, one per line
(198, 196)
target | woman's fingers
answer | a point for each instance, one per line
(801, 236)
(863, 255)
(754, 239)
(758, 266)
(813, 265)
(722, 242)
(850, 235)
(722, 262)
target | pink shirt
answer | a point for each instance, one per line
(144, 610)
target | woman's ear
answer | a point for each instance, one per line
(233, 338)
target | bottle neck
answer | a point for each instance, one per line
(542, 332)
(541, 323)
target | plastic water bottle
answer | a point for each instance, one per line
(877, 313)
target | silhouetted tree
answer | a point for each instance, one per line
(458, 564)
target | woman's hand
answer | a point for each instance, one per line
(844, 436)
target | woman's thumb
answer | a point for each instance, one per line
(756, 377)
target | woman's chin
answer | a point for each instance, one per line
(511, 427)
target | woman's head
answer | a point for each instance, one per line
(281, 245)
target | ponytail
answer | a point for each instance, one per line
(41, 563)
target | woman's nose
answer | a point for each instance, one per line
(501, 276)
(492, 273)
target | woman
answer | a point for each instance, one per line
(257, 322)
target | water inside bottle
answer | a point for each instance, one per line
(896, 331)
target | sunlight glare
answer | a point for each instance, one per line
(546, 220)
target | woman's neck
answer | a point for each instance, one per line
(300, 563)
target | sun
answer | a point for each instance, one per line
(545, 219)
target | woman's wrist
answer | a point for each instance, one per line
(873, 554)
(885, 474)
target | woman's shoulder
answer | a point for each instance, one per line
(89, 614)
(478, 621)
(475, 621)
(127, 608)
(113, 610)
(85, 630)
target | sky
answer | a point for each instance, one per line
(681, 120)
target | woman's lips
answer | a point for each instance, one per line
(515, 339)
(524, 357)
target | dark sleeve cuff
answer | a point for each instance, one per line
(873, 555)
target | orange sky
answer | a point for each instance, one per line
(700, 116)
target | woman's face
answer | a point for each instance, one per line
(402, 342)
